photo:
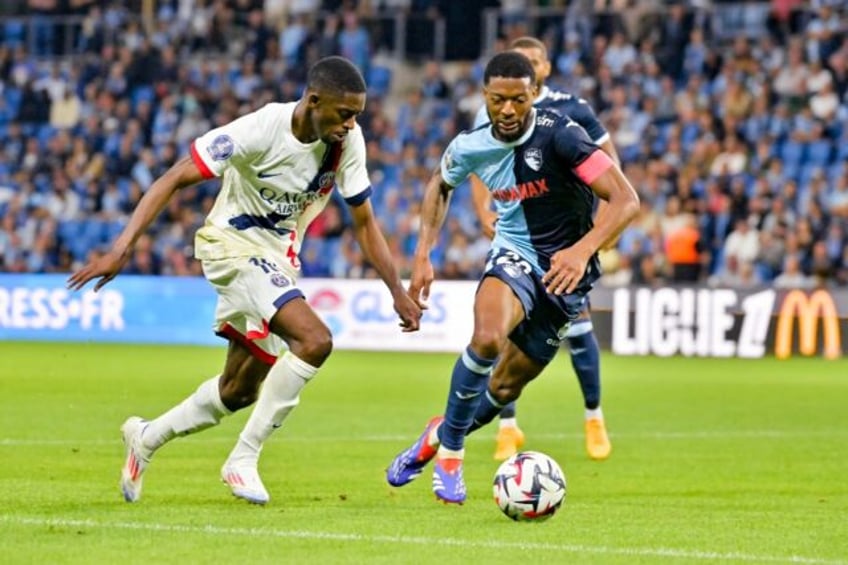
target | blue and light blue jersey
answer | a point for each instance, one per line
(538, 184)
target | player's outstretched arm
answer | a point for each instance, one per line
(569, 265)
(183, 173)
(376, 251)
(434, 208)
(482, 200)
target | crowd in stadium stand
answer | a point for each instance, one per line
(738, 148)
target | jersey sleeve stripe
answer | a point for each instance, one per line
(200, 163)
(286, 297)
(603, 139)
(594, 166)
(360, 198)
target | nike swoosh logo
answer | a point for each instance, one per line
(267, 175)
(578, 350)
(466, 395)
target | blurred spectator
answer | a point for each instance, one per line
(647, 272)
(327, 40)
(66, 110)
(354, 41)
(293, 37)
(737, 274)
(732, 160)
(790, 83)
(792, 276)
(713, 127)
(742, 244)
(683, 251)
(433, 84)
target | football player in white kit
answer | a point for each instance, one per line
(278, 166)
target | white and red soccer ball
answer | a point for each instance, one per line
(529, 486)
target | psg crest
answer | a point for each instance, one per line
(533, 158)
(280, 280)
(326, 180)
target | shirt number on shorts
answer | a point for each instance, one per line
(511, 258)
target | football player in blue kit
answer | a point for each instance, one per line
(582, 343)
(543, 172)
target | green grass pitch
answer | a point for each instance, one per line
(726, 461)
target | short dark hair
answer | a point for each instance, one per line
(509, 64)
(335, 74)
(528, 42)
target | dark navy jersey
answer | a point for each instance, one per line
(572, 106)
(537, 184)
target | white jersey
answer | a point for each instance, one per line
(272, 185)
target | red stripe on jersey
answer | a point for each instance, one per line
(200, 163)
(594, 166)
(335, 156)
(230, 332)
(262, 334)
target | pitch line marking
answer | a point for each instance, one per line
(765, 434)
(210, 529)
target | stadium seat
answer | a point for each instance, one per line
(765, 272)
(630, 154)
(42, 183)
(142, 93)
(791, 171)
(44, 134)
(792, 152)
(807, 172)
(332, 247)
(834, 129)
(113, 229)
(379, 80)
(124, 185)
(659, 145)
(68, 229)
(13, 98)
(835, 171)
(819, 152)
(442, 110)
(14, 32)
(93, 231)
(842, 151)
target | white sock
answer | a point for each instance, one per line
(279, 395)
(594, 413)
(445, 453)
(508, 423)
(202, 409)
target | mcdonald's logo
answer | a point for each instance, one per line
(808, 310)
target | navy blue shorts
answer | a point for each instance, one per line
(546, 316)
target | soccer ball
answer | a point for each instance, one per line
(529, 486)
